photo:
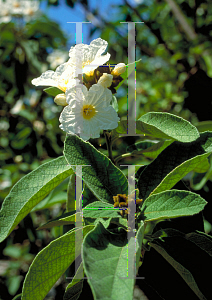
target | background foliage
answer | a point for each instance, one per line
(175, 75)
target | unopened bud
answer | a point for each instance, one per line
(60, 99)
(106, 80)
(119, 69)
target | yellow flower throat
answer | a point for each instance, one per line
(88, 111)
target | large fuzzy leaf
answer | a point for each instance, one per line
(173, 164)
(29, 191)
(105, 263)
(171, 204)
(102, 177)
(50, 263)
(166, 125)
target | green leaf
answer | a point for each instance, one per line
(122, 127)
(166, 125)
(50, 263)
(105, 261)
(31, 50)
(74, 289)
(171, 204)
(203, 166)
(60, 198)
(204, 126)
(73, 292)
(88, 196)
(29, 191)
(149, 148)
(100, 210)
(199, 185)
(187, 253)
(56, 196)
(94, 210)
(17, 297)
(141, 146)
(105, 222)
(179, 172)
(139, 240)
(64, 219)
(202, 240)
(207, 58)
(53, 91)
(70, 204)
(102, 177)
(120, 222)
(185, 274)
(173, 164)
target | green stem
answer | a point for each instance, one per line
(109, 145)
(122, 156)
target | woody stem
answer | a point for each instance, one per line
(109, 145)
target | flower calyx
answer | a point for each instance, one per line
(99, 75)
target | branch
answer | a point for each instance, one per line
(182, 20)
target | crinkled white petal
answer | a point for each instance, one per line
(46, 79)
(104, 95)
(107, 118)
(77, 93)
(97, 95)
(98, 61)
(88, 57)
(62, 78)
(89, 52)
(83, 58)
(72, 120)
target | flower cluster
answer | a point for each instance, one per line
(121, 201)
(18, 8)
(87, 87)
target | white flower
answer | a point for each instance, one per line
(19, 105)
(5, 16)
(83, 59)
(57, 58)
(87, 58)
(63, 77)
(23, 7)
(18, 8)
(88, 111)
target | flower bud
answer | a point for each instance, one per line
(60, 99)
(105, 80)
(119, 69)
